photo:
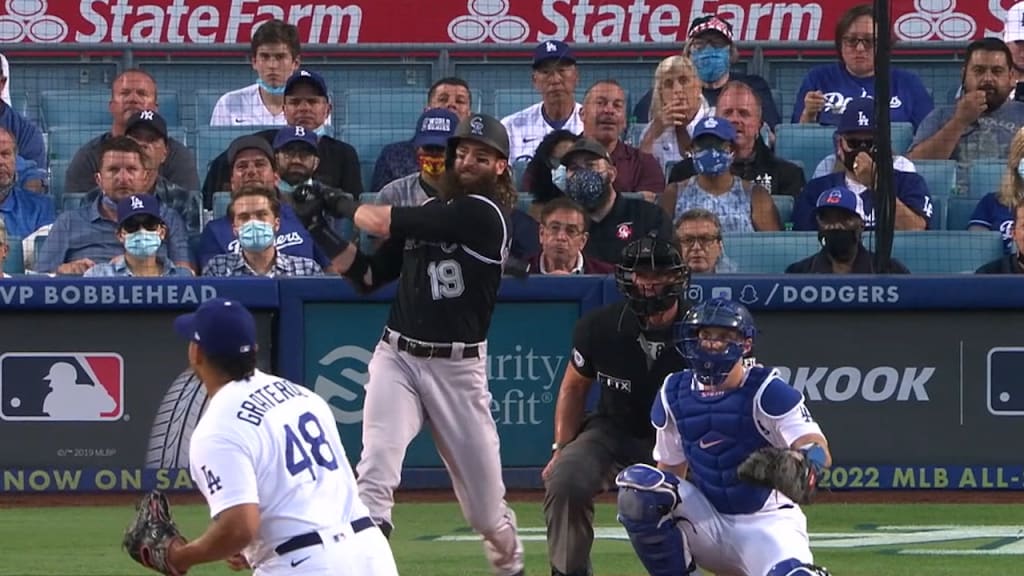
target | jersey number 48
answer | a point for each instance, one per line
(308, 447)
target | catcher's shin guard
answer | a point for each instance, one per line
(796, 567)
(647, 499)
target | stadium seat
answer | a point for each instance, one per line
(945, 251)
(984, 177)
(769, 252)
(940, 209)
(518, 169)
(807, 143)
(389, 108)
(15, 262)
(72, 107)
(939, 175)
(368, 140)
(211, 141)
(902, 134)
(633, 134)
(784, 204)
(206, 100)
(63, 141)
(58, 173)
(959, 211)
(72, 201)
(220, 204)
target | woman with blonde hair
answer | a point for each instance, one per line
(677, 105)
(995, 209)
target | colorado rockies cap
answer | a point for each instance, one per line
(839, 197)
(136, 204)
(309, 77)
(250, 142)
(220, 327)
(289, 134)
(1013, 30)
(147, 119)
(715, 126)
(434, 127)
(552, 50)
(713, 23)
(859, 116)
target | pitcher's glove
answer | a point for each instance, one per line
(149, 537)
(793, 472)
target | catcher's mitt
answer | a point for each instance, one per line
(148, 538)
(787, 471)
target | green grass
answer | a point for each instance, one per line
(86, 541)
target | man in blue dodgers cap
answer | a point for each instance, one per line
(253, 498)
(856, 150)
(142, 230)
(555, 77)
(840, 230)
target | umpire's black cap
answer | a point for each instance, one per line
(481, 128)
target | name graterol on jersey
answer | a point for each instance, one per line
(267, 397)
(109, 294)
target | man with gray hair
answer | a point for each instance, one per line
(23, 211)
(700, 242)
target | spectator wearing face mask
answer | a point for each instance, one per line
(840, 229)
(141, 230)
(255, 214)
(614, 220)
(432, 131)
(544, 177)
(856, 131)
(741, 206)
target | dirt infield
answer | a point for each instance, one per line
(840, 497)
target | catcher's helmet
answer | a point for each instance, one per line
(712, 365)
(481, 128)
(652, 255)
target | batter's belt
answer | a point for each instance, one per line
(421, 349)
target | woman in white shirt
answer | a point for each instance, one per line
(677, 105)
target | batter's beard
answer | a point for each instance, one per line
(481, 185)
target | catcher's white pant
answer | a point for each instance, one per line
(741, 544)
(343, 553)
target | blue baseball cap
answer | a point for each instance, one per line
(137, 204)
(715, 126)
(434, 128)
(552, 50)
(859, 116)
(220, 327)
(289, 134)
(309, 77)
(839, 197)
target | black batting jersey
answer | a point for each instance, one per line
(628, 364)
(451, 268)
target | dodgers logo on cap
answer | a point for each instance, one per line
(710, 122)
(476, 126)
(137, 203)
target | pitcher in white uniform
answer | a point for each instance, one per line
(267, 457)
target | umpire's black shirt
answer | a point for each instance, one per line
(630, 366)
(629, 219)
(779, 177)
(339, 167)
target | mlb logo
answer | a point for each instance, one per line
(46, 386)
(1005, 397)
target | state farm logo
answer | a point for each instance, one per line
(935, 20)
(28, 19)
(488, 20)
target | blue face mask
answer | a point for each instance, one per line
(711, 63)
(558, 177)
(712, 161)
(142, 243)
(586, 187)
(256, 236)
(275, 90)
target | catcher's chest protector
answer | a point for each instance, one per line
(718, 433)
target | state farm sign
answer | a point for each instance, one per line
(456, 21)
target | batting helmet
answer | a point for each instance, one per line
(486, 130)
(713, 365)
(657, 256)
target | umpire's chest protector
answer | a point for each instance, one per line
(718, 432)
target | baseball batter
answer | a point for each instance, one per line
(430, 365)
(753, 452)
(267, 457)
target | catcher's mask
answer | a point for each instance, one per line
(480, 128)
(663, 277)
(712, 360)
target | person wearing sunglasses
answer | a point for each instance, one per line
(827, 89)
(141, 230)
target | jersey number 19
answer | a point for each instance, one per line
(445, 279)
(308, 447)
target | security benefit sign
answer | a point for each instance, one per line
(527, 351)
(900, 393)
(97, 400)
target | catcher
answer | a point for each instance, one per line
(753, 453)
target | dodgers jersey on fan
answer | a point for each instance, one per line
(910, 100)
(764, 410)
(911, 190)
(992, 214)
(271, 442)
(528, 127)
